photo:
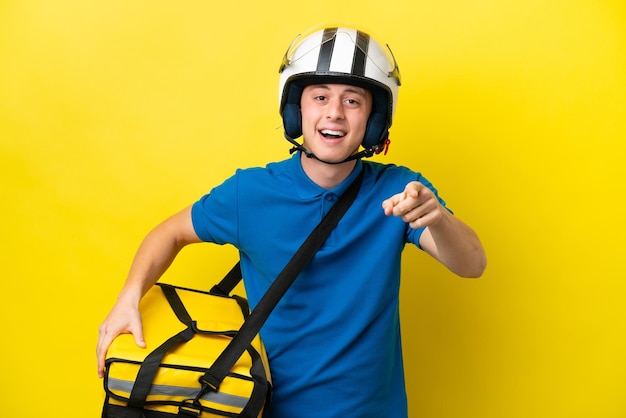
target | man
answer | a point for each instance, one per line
(334, 339)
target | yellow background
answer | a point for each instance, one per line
(114, 114)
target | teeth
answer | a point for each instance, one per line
(328, 132)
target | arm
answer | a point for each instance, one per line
(155, 254)
(446, 238)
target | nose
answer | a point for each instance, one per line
(334, 110)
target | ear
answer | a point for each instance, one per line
(292, 120)
(377, 130)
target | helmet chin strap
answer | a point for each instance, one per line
(366, 153)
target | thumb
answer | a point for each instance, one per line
(139, 340)
(412, 189)
(137, 332)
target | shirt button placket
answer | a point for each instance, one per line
(328, 202)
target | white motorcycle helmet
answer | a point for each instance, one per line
(346, 56)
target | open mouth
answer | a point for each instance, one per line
(331, 134)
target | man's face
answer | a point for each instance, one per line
(334, 118)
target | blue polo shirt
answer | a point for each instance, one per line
(334, 339)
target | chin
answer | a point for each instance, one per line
(330, 155)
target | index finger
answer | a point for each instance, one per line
(390, 203)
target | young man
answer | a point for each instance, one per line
(334, 339)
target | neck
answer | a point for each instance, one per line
(326, 175)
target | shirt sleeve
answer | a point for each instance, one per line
(214, 216)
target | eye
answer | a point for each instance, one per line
(319, 98)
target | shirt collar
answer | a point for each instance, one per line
(307, 188)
